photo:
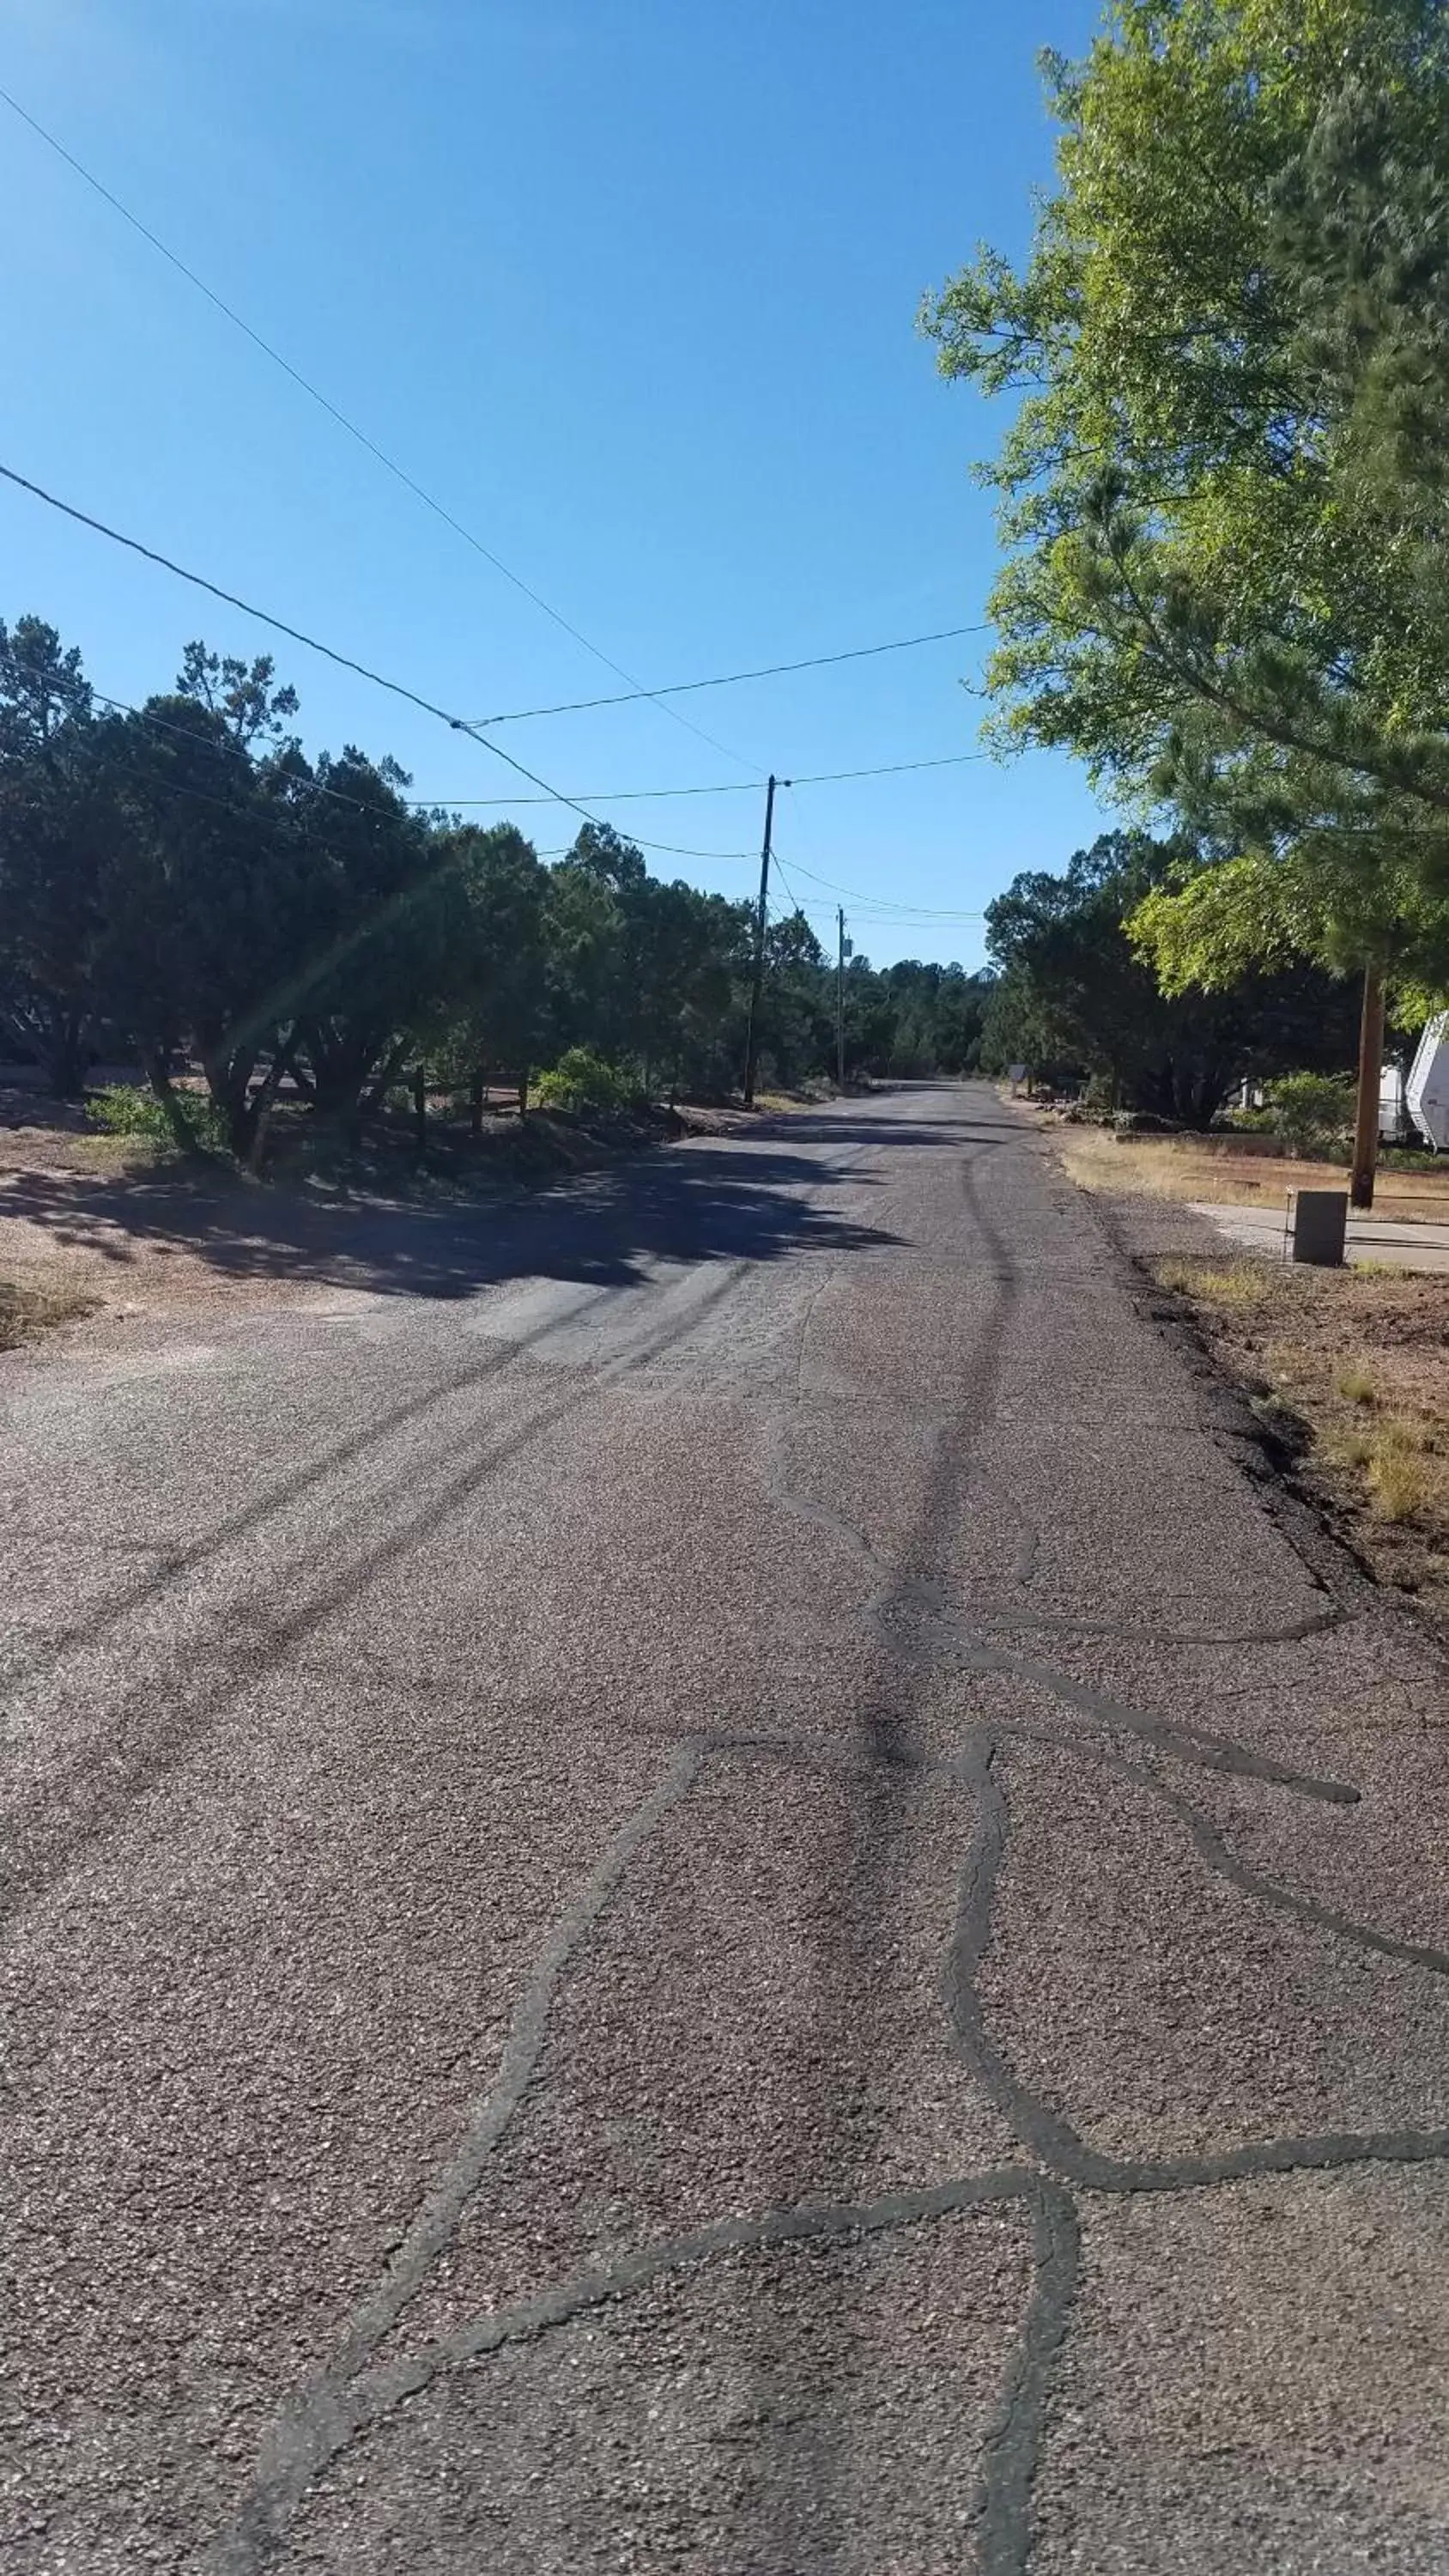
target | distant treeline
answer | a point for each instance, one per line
(183, 877)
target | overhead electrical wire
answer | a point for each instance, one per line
(334, 412)
(881, 904)
(728, 787)
(344, 661)
(890, 768)
(784, 880)
(476, 728)
(732, 679)
(924, 913)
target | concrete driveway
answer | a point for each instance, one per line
(741, 1900)
(1397, 1242)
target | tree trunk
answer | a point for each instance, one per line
(228, 1079)
(67, 1057)
(387, 1072)
(420, 1108)
(523, 1094)
(1370, 1075)
(475, 1104)
(259, 1113)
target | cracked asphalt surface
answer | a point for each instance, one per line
(751, 1902)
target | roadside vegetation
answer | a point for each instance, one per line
(183, 888)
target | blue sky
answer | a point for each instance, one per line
(630, 286)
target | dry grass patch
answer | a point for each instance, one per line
(1357, 1386)
(26, 1311)
(1230, 1282)
(1195, 1167)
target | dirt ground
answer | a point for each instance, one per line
(1348, 1370)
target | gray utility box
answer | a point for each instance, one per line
(1318, 1226)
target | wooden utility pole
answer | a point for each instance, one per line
(840, 998)
(1370, 1076)
(757, 978)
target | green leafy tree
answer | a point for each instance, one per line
(582, 939)
(797, 1012)
(374, 954)
(1075, 994)
(496, 894)
(54, 832)
(1223, 492)
(201, 911)
(680, 952)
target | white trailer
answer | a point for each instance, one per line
(1394, 1126)
(1426, 1093)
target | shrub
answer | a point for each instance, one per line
(1312, 1110)
(583, 1084)
(125, 1109)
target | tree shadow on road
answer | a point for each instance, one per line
(699, 1203)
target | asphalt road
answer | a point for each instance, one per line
(741, 1898)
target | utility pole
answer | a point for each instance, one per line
(1370, 1073)
(757, 978)
(840, 999)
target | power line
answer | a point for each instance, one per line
(729, 787)
(344, 661)
(597, 796)
(875, 903)
(731, 679)
(891, 769)
(880, 907)
(315, 394)
(879, 913)
(784, 880)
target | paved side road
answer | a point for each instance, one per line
(746, 1904)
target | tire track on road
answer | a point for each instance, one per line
(243, 1648)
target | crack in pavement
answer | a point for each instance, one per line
(1314, 1623)
(1045, 2130)
(1218, 1856)
(315, 2421)
(351, 2409)
(1013, 2444)
(1211, 1843)
(1198, 1746)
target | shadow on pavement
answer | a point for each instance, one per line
(697, 1203)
